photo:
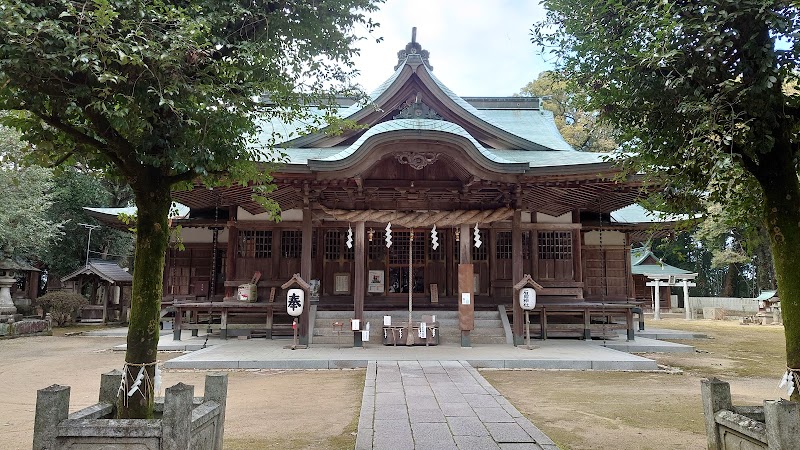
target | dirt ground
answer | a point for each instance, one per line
(266, 409)
(319, 409)
(625, 410)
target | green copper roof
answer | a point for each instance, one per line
(418, 125)
(766, 295)
(637, 214)
(642, 254)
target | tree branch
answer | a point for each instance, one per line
(81, 138)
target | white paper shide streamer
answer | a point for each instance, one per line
(141, 383)
(791, 379)
(434, 237)
(477, 233)
(349, 241)
(388, 236)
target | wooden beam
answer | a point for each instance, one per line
(232, 250)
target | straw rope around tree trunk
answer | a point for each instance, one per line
(416, 219)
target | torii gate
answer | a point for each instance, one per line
(670, 280)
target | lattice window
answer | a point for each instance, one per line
(377, 248)
(555, 245)
(503, 245)
(482, 253)
(335, 247)
(291, 243)
(255, 244)
(398, 252)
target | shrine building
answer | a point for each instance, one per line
(486, 181)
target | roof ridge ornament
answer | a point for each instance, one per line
(417, 110)
(413, 48)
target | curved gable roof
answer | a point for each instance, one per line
(423, 128)
(531, 130)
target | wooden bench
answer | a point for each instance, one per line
(202, 315)
(585, 311)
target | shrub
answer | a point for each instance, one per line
(62, 305)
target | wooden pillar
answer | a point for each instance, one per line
(360, 280)
(231, 251)
(465, 251)
(305, 273)
(577, 263)
(631, 291)
(516, 273)
(465, 245)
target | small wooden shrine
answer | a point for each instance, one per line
(108, 288)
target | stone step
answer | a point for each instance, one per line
(416, 315)
(378, 322)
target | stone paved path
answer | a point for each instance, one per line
(441, 405)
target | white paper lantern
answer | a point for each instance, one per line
(527, 298)
(295, 299)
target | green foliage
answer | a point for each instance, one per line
(25, 226)
(695, 87)
(580, 128)
(74, 189)
(705, 96)
(62, 306)
(165, 95)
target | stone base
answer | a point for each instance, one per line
(25, 327)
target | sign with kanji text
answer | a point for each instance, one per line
(527, 298)
(295, 299)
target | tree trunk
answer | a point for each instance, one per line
(152, 236)
(782, 213)
(729, 285)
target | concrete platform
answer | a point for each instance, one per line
(646, 345)
(661, 333)
(272, 354)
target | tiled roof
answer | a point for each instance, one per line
(535, 126)
(639, 255)
(421, 125)
(637, 214)
(106, 270)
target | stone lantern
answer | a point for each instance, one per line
(8, 270)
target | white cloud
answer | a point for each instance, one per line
(477, 48)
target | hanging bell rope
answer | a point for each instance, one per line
(416, 219)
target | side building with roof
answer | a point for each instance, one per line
(456, 180)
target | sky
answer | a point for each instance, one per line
(477, 47)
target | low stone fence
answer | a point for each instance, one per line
(733, 306)
(16, 326)
(775, 426)
(185, 422)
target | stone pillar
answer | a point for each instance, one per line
(686, 307)
(52, 406)
(783, 424)
(716, 395)
(109, 387)
(176, 423)
(517, 273)
(216, 389)
(657, 300)
(360, 281)
(305, 273)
